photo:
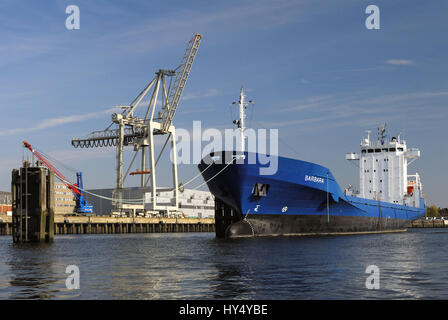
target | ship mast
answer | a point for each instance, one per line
(241, 121)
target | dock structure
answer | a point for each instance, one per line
(32, 204)
(118, 225)
(432, 223)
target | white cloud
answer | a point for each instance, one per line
(358, 109)
(54, 122)
(171, 29)
(400, 62)
(308, 103)
(212, 92)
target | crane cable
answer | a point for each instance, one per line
(126, 201)
(138, 201)
(130, 201)
(51, 159)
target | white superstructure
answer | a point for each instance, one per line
(383, 171)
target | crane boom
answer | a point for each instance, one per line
(52, 168)
(81, 203)
(181, 80)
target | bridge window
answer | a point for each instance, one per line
(385, 149)
(370, 151)
(377, 150)
(363, 151)
(400, 149)
(392, 149)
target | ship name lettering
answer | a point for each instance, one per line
(314, 179)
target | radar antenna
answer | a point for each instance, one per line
(382, 133)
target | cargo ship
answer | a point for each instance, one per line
(304, 198)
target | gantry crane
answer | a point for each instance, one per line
(77, 189)
(140, 131)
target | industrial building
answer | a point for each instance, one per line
(5, 202)
(64, 200)
(137, 201)
(192, 203)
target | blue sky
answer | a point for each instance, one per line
(314, 70)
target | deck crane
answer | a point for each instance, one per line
(81, 203)
(139, 132)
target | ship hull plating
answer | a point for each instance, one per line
(302, 225)
(300, 198)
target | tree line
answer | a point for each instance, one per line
(433, 211)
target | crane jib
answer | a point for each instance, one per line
(59, 175)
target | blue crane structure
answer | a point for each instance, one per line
(81, 203)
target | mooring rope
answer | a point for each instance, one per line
(200, 173)
(214, 175)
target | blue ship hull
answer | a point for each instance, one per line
(300, 198)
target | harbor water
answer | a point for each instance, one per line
(411, 265)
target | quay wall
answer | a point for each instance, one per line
(429, 224)
(117, 225)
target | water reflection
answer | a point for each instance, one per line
(198, 266)
(230, 282)
(233, 267)
(35, 272)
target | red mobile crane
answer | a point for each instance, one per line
(81, 203)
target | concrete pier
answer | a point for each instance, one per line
(117, 225)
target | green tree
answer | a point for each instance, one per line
(432, 211)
